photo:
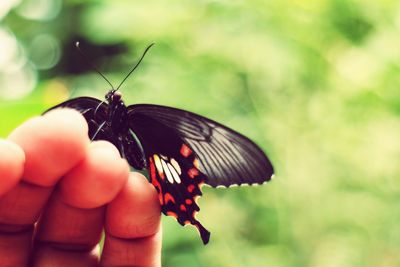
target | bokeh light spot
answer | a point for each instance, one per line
(17, 78)
(40, 9)
(8, 47)
(45, 51)
(6, 6)
(17, 83)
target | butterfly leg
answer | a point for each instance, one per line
(97, 108)
(97, 131)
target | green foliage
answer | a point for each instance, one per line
(315, 83)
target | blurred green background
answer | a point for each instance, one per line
(315, 83)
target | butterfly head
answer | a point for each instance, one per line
(113, 96)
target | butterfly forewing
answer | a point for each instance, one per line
(95, 113)
(226, 157)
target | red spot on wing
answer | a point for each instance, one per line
(185, 151)
(168, 197)
(182, 207)
(159, 190)
(155, 182)
(173, 214)
(188, 201)
(190, 188)
(152, 169)
(193, 172)
(158, 187)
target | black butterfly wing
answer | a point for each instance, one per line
(173, 169)
(225, 156)
(185, 150)
(96, 113)
(85, 105)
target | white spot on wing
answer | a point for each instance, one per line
(158, 163)
(176, 166)
(174, 173)
(167, 172)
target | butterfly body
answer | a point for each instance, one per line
(117, 113)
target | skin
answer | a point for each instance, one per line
(63, 192)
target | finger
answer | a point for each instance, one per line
(74, 218)
(12, 160)
(53, 143)
(65, 258)
(135, 212)
(98, 179)
(15, 247)
(133, 235)
(138, 252)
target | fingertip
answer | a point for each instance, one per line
(135, 212)
(12, 160)
(101, 144)
(97, 179)
(52, 144)
(70, 126)
(68, 115)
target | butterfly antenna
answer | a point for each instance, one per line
(137, 64)
(77, 45)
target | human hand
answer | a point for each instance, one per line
(58, 192)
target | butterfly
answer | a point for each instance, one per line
(181, 150)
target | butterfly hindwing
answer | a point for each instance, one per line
(226, 157)
(173, 170)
